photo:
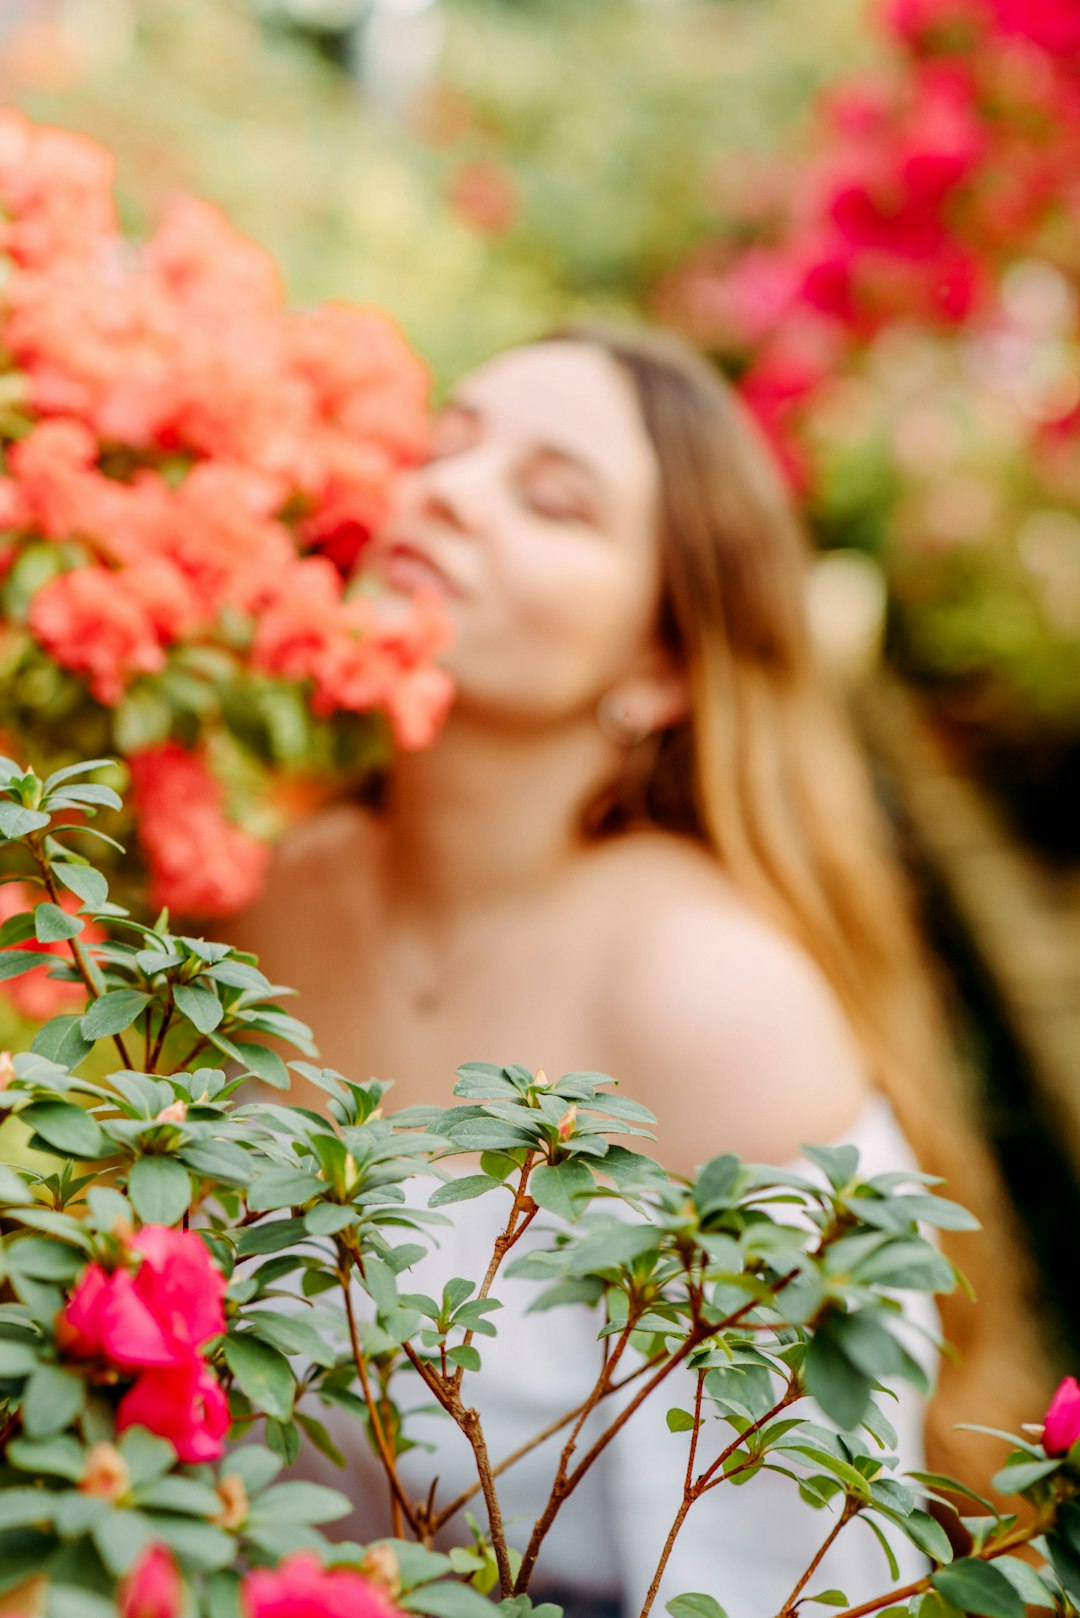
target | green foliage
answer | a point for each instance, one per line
(772, 1300)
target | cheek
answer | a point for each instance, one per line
(565, 616)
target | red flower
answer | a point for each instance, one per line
(1053, 25)
(302, 1588)
(1062, 1429)
(201, 864)
(155, 1322)
(183, 1403)
(157, 1316)
(153, 1588)
(96, 623)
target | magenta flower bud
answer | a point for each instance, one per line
(1062, 1427)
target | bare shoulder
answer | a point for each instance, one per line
(718, 1019)
(303, 864)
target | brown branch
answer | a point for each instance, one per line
(1011, 1542)
(532, 1443)
(560, 1493)
(510, 1236)
(688, 1498)
(851, 1507)
(166, 1019)
(399, 1501)
(445, 1391)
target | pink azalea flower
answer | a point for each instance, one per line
(302, 1588)
(153, 1588)
(183, 1403)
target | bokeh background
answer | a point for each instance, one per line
(868, 211)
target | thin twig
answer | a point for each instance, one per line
(398, 1498)
(1003, 1547)
(688, 1498)
(510, 1236)
(851, 1508)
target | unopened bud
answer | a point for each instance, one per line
(541, 1081)
(7, 1069)
(232, 1493)
(174, 1113)
(105, 1473)
(567, 1121)
(380, 1565)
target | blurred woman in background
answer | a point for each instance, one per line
(644, 845)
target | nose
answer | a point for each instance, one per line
(456, 490)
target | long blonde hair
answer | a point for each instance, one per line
(768, 775)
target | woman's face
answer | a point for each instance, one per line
(536, 518)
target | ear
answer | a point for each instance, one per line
(658, 693)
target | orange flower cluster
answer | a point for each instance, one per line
(200, 466)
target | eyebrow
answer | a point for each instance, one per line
(558, 451)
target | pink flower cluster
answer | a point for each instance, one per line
(928, 176)
(154, 1320)
(206, 465)
(300, 1588)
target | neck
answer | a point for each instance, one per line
(488, 813)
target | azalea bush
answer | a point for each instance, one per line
(188, 473)
(904, 312)
(196, 1281)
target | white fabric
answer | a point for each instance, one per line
(746, 1546)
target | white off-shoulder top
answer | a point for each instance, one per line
(746, 1546)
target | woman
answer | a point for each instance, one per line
(642, 846)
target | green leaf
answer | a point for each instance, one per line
(67, 1127)
(18, 822)
(62, 1456)
(562, 1188)
(198, 1544)
(327, 1218)
(1017, 1475)
(977, 1587)
(14, 962)
(53, 925)
(200, 1006)
(17, 929)
(51, 1399)
(266, 1064)
(17, 1359)
(447, 1600)
(13, 1188)
(680, 1421)
(282, 1187)
(85, 882)
(695, 1605)
(19, 1508)
(61, 1040)
(840, 1389)
(270, 1237)
(160, 1189)
(113, 1012)
(460, 1190)
(301, 1502)
(831, 1598)
(466, 1356)
(218, 1160)
(615, 1244)
(263, 1374)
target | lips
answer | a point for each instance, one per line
(406, 566)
